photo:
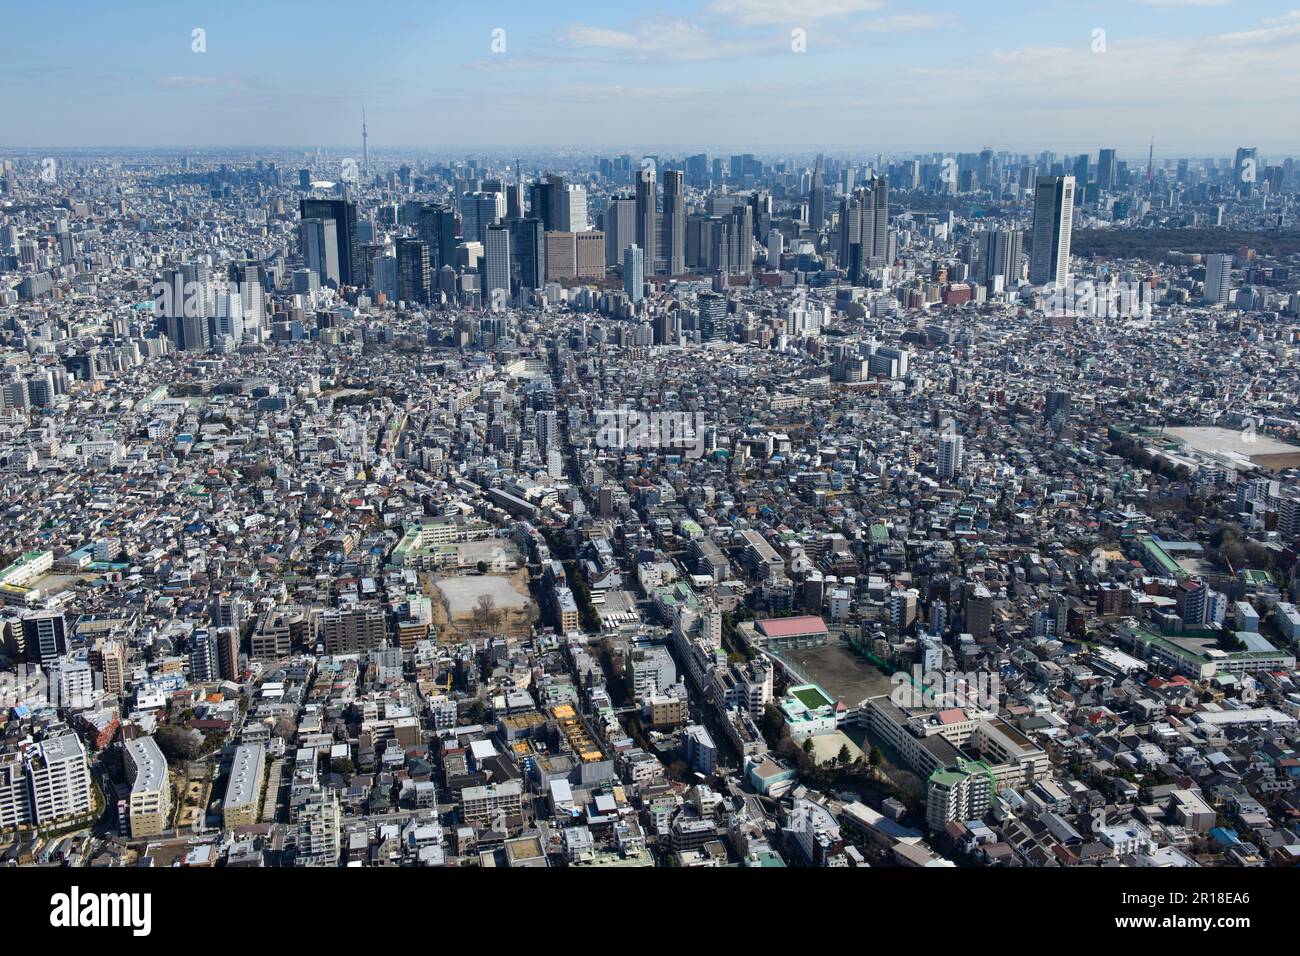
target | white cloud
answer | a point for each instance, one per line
(752, 12)
(1185, 3)
(903, 23)
(586, 36)
(664, 40)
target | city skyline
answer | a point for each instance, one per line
(702, 74)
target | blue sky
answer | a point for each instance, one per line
(1200, 76)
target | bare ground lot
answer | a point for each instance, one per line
(455, 599)
(845, 676)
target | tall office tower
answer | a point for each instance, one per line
(951, 455)
(850, 220)
(998, 254)
(528, 244)
(318, 829)
(496, 263)
(383, 272)
(634, 272)
(515, 200)
(478, 211)
(45, 636)
(1245, 168)
(184, 305)
(554, 200)
(1218, 279)
(697, 170)
(875, 221)
(344, 214)
(318, 245)
(674, 222)
(1107, 169)
(775, 247)
(864, 222)
(515, 195)
(573, 210)
(413, 271)
(1081, 169)
(647, 223)
(712, 323)
(1049, 261)
(304, 179)
(436, 225)
(817, 198)
(619, 222)
(228, 321)
(540, 203)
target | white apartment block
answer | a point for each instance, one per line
(149, 806)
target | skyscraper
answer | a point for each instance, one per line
(999, 252)
(496, 263)
(875, 221)
(1245, 168)
(864, 222)
(413, 271)
(619, 221)
(318, 245)
(1106, 169)
(436, 225)
(344, 214)
(1049, 261)
(817, 197)
(951, 455)
(634, 272)
(1218, 279)
(647, 227)
(573, 210)
(674, 223)
(528, 242)
(478, 211)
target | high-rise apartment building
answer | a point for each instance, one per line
(634, 272)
